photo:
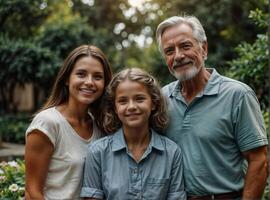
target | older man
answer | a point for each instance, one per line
(215, 120)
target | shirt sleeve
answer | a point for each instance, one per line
(47, 124)
(176, 187)
(249, 129)
(92, 183)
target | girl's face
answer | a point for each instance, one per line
(86, 81)
(133, 104)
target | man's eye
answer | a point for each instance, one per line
(169, 52)
(187, 46)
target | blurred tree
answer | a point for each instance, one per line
(19, 19)
(251, 65)
(23, 62)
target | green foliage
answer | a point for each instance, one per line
(12, 179)
(12, 128)
(24, 62)
(24, 16)
(156, 65)
(251, 65)
(266, 190)
(61, 38)
(266, 120)
(259, 18)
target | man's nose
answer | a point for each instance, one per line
(179, 55)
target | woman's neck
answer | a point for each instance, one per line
(74, 112)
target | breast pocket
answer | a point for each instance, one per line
(156, 188)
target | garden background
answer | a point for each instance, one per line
(36, 35)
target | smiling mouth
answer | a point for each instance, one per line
(178, 65)
(87, 91)
(133, 115)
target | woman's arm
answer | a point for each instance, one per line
(38, 152)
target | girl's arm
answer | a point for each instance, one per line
(92, 183)
(38, 152)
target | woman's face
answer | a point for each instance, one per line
(86, 81)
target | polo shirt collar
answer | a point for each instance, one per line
(211, 88)
(119, 142)
(213, 84)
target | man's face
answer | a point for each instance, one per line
(184, 55)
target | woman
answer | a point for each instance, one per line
(57, 138)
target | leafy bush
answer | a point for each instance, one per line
(251, 65)
(24, 62)
(12, 178)
(12, 128)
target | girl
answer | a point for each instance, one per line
(57, 138)
(135, 162)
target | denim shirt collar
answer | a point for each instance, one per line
(119, 142)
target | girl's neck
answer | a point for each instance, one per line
(136, 137)
(137, 140)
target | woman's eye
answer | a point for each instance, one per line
(80, 74)
(98, 77)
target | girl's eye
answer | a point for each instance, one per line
(121, 101)
(140, 99)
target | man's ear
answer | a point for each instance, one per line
(205, 49)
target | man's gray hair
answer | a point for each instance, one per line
(197, 28)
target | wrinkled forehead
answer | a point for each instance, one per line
(177, 33)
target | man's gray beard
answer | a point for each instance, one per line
(189, 74)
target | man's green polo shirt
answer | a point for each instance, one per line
(220, 123)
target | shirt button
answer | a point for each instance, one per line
(139, 195)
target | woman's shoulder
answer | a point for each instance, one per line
(49, 114)
(47, 121)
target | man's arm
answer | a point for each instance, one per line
(257, 173)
